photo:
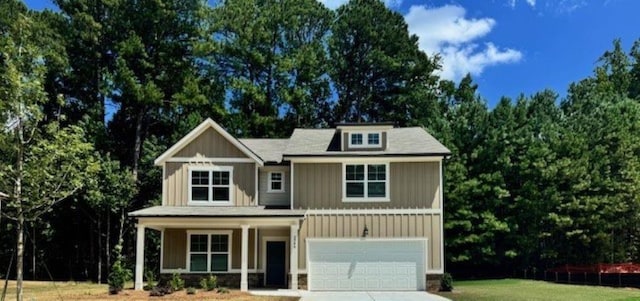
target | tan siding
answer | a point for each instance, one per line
(177, 182)
(174, 249)
(412, 185)
(379, 225)
(210, 144)
(274, 198)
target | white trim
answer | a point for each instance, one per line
(365, 181)
(138, 283)
(209, 169)
(270, 181)
(256, 184)
(294, 256)
(161, 249)
(372, 158)
(441, 218)
(291, 186)
(435, 271)
(265, 239)
(417, 211)
(201, 128)
(164, 184)
(209, 160)
(349, 127)
(365, 139)
(214, 223)
(244, 258)
(208, 233)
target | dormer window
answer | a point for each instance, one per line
(364, 140)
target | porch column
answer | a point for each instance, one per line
(139, 257)
(244, 268)
(293, 257)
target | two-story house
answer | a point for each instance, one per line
(358, 207)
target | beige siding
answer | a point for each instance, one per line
(415, 185)
(412, 185)
(174, 249)
(274, 198)
(210, 144)
(177, 183)
(379, 225)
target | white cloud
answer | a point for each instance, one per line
(446, 31)
(333, 4)
(532, 3)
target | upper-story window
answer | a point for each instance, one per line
(366, 183)
(211, 185)
(276, 181)
(364, 140)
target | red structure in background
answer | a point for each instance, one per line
(600, 268)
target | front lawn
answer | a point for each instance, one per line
(46, 290)
(521, 290)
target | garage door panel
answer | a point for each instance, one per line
(366, 265)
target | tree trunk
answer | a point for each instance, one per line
(20, 254)
(33, 251)
(99, 248)
(137, 146)
(107, 240)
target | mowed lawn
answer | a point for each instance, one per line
(50, 291)
(521, 290)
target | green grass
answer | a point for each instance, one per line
(529, 290)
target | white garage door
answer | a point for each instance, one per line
(357, 264)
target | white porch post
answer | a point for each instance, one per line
(293, 257)
(244, 268)
(139, 257)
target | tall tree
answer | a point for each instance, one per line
(376, 64)
(42, 163)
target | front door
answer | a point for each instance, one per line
(276, 260)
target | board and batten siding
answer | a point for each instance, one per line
(379, 226)
(412, 185)
(174, 248)
(210, 144)
(274, 198)
(177, 182)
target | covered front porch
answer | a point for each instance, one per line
(245, 247)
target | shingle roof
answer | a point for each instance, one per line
(209, 211)
(269, 150)
(401, 141)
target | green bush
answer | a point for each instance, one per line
(446, 285)
(118, 276)
(223, 290)
(191, 291)
(209, 283)
(151, 280)
(176, 282)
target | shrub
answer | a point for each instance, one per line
(209, 283)
(176, 282)
(446, 285)
(223, 290)
(119, 275)
(191, 291)
(151, 280)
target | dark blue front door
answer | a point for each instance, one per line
(276, 259)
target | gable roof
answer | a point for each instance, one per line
(205, 125)
(270, 150)
(410, 141)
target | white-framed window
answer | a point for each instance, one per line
(276, 181)
(365, 182)
(365, 139)
(209, 251)
(211, 185)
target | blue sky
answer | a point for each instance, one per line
(513, 46)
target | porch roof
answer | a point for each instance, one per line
(214, 211)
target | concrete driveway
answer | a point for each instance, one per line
(369, 296)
